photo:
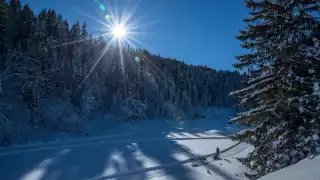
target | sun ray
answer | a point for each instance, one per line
(157, 71)
(90, 17)
(78, 41)
(136, 33)
(113, 16)
(74, 42)
(122, 67)
(116, 12)
(102, 30)
(129, 33)
(130, 13)
(96, 63)
(135, 25)
(130, 43)
(130, 38)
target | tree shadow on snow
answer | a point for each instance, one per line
(103, 159)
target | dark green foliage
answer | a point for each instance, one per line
(283, 117)
(4, 32)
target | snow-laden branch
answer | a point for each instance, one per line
(314, 51)
(256, 111)
(256, 93)
(251, 87)
(261, 77)
(135, 108)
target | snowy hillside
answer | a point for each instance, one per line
(307, 169)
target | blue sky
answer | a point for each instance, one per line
(196, 31)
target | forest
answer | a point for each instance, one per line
(43, 58)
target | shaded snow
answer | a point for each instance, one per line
(121, 155)
(126, 148)
(64, 124)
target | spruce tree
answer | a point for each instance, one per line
(4, 30)
(15, 6)
(282, 118)
(76, 61)
(84, 32)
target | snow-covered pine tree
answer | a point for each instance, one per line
(15, 7)
(282, 119)
(85, 50)
(76, 61)
(34, 69)
(313, 55)
(84, 33)
(88, 101)
(64, 49)
(4, 56)
(134, 109)
(4, 30)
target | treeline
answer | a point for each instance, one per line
(42, 57)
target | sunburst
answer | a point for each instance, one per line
(119, 31)
(118, 27)
(121, 28)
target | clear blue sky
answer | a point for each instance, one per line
(196, 31)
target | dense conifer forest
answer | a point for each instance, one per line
(44, 57)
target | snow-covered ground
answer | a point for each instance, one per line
(157, 149)
(307, 169)
(126, 156)
(146, 150)
(72, 127)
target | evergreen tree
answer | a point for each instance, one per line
(4, 32)
(76, 61)
(283, 118)
(84, 32)
(15, 23)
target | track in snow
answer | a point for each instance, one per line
(163, 166)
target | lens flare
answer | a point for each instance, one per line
(137, 59)
(118, 28)
(102, 7)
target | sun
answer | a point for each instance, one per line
(119, 31)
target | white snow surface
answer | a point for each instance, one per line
(146, 150)
(154, 149)
(125, 156)
(307, 169)
(316, 89)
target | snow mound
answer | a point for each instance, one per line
(307, 169)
